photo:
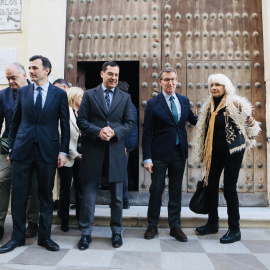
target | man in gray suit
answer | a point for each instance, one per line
(105, 117)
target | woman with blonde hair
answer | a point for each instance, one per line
(224, 131)
(71, 169)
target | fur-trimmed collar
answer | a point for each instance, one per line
(238, 109)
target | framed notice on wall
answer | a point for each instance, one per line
(6, 56)
(10, 15)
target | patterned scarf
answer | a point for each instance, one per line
(207, 152)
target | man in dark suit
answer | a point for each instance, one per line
(105, 117)
(164, 143)
(16, 77)
(34, 145)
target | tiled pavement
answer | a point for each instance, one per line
(163, 252)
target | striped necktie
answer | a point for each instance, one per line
(108, 98)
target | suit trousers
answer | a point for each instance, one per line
(66, 174)
(32, 214)
(176, 169)
(125, 183)
(222, 159)
(90, 191)
(22, 172)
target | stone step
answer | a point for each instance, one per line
(136, 216)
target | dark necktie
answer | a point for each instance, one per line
(175, 115)
(38, 104)
(108, 98)
(15, 93)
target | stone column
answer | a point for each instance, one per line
(266, 39)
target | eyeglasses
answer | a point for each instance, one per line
(169, 79)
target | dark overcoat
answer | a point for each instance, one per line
(92, 117)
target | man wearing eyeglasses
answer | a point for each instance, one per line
(164, 143)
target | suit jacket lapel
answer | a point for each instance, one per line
(183, 109)
(99, 97)
(49, 98)
(165, 105)
(73, 118)
(10, 97)
(117, 96)
(30, 95)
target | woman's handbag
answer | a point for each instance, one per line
(198, 202)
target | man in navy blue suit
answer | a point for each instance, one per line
(164, 143)
(16, 77)
(34, 145)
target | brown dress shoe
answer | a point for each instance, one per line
(150, 232)
(178, 234)
(31, 230)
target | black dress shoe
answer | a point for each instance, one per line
(49, 244)
(1, 232)
(208, 228)
(12, 244)
(230, 237)
(84, 242)
(117, 240)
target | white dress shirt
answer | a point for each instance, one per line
(44, 92)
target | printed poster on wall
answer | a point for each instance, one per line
(10, 15)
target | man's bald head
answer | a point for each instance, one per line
(16, 76)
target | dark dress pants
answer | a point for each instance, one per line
(222, 159)
(90, 191)
(125, 183)
(66, 174)
(175, 173)
(21, 185)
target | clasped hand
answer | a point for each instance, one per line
(106, 133)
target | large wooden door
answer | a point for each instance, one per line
(197, 38)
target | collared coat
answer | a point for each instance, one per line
(92, 117)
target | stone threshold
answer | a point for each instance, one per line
(136, 216)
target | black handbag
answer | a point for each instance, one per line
(198, 202)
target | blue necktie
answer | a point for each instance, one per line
(38, 104)
(175, 115)
(108, 98)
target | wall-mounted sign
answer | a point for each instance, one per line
(6, 56)
(10, 15)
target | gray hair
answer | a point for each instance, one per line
(166, 70)
(19, 66)
(223, 80)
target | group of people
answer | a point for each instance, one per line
(84, 135)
